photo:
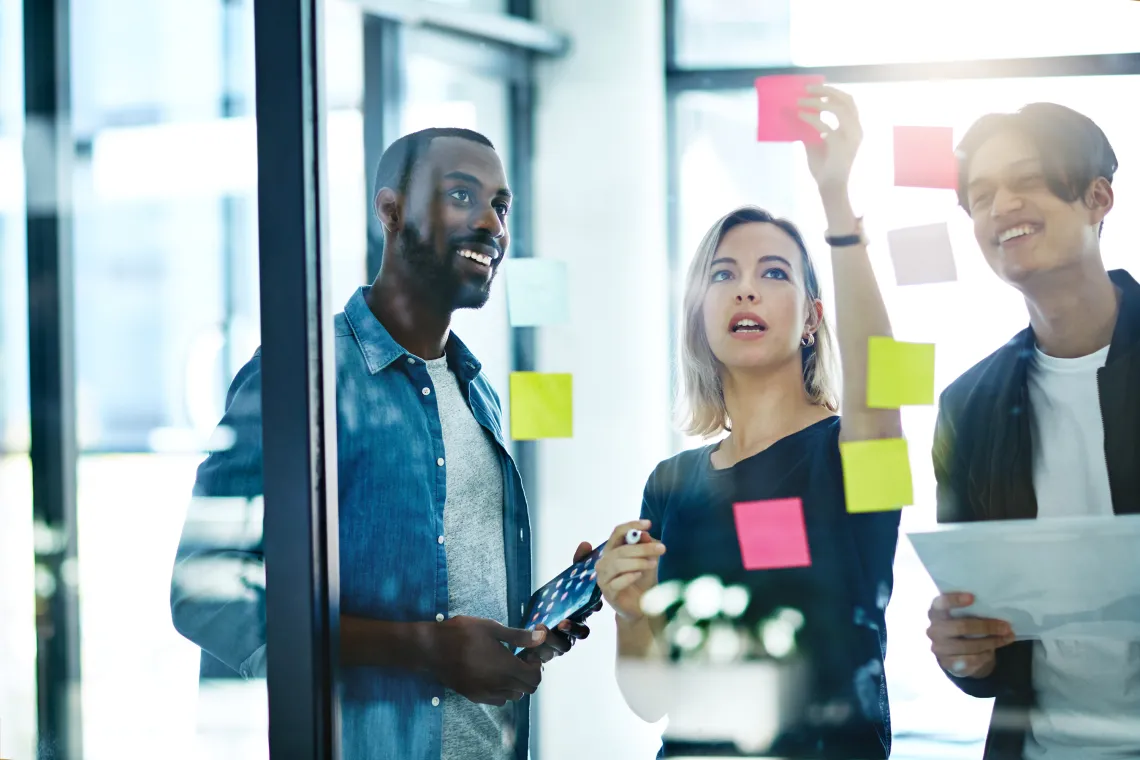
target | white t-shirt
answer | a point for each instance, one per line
(1088, 689)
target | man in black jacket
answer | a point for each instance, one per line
(1046, 426)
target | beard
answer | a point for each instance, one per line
(441, 279)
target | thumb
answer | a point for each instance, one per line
(519, 637)
(582, 551)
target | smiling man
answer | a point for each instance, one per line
(1047, 426)
(434, 534)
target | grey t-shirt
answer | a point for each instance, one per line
(476, 564)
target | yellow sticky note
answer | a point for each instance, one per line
(899, 374)
(876, 475)
(541, 406)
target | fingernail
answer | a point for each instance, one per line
(959, 667)
(536, 635)
(965, 599)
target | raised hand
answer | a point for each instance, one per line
(830, 161)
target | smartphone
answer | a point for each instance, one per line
(570, 596)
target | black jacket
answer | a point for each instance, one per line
(984, 467)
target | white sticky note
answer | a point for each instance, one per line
(537, 292)
(922, 255)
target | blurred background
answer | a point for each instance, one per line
(627, 128)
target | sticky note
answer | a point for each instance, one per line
(541, 406)
(772, 534)
(876, 475)
(899, 374)
(924, 157)
(922, 255)
(537, 292)
(778, 108)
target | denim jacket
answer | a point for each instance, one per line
(392, 484)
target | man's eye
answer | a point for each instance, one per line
(461, 195)
(1029, 181)
(502, 209)
(720, 275)
(981, 200)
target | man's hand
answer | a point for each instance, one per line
(466, 654)
(559, 641)
(965, 646)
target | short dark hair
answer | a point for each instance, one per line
(1074, 151)
(395, 166)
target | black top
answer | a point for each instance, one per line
(843, 594)
(983, 462)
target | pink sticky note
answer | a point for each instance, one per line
(772, 534)
(924, 157)
(778, 117)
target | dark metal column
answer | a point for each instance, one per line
(47, 151)
(524, 340)
(383, 108)
(298, 383)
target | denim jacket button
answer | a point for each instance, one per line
(435, 701)
(426, 391)
(439, 617)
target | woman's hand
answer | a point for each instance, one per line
(627, 571)
(830, 161)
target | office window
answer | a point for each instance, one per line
(166, 310)
(749, 33)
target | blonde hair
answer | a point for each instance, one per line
(701, 409)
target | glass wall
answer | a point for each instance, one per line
(163, 230)
(17, 565)
(720, 165)
(166, 311)
(164, 234)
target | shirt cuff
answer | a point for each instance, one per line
(254, 666)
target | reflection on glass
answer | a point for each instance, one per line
(716, 132)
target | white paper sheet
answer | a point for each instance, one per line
(1054, 578)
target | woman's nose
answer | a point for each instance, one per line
(751, 298)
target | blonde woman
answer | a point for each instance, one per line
(758, 364)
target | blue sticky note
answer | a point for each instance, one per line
(537, 292)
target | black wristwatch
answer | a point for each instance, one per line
(841, 241)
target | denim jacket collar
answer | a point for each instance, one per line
(380, 349)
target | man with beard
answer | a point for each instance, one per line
(434, 533)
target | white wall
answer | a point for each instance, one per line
(599, 205)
